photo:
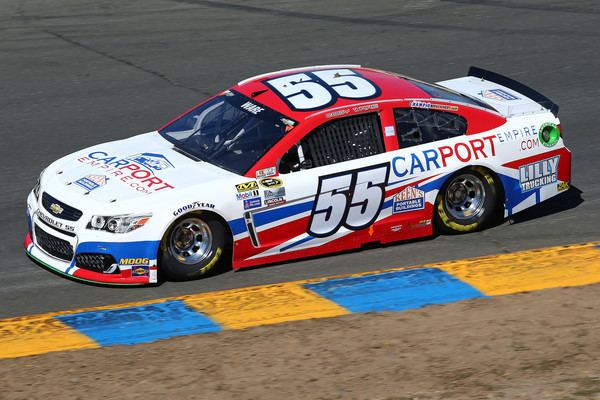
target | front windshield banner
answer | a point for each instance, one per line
(231, 131)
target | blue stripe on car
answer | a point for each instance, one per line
(266, 217)
(270, 215)
(297, 243)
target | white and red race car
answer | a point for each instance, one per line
(298, 163)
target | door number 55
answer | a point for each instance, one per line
(352, 199)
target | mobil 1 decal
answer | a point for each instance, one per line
(306, 91)
(351, 199)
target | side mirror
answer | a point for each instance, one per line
(306, 164)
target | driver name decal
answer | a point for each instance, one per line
(252, 108)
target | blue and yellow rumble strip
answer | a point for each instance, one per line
(390, 290)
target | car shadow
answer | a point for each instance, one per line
(563, 202)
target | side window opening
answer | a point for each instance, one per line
(418, 126)
(336, 141)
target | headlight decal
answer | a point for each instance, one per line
(118, 223)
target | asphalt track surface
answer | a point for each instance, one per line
(75, 73)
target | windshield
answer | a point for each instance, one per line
(231, 131)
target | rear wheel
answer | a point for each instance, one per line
(192, 247)
(467, 201)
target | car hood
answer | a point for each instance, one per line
(144, 166)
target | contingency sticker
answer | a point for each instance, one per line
(409, 199)
(91, 182)
(264, 173)
(497, 94)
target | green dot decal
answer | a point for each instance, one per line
(549, 134)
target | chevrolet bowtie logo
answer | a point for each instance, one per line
(56, 209)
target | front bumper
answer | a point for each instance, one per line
(134, 262)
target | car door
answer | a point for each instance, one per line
(331, 183)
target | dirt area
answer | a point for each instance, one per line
(541, 345)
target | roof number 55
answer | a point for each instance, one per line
(352, 199)
(318, 89)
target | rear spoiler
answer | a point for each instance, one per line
(516, 86)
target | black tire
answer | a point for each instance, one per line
(467, 202)
(174, 264)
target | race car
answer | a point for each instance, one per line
(298, 163)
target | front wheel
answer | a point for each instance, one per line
(192, 247)
(467, 202)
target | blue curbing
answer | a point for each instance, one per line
(140, 324)
(395, 291)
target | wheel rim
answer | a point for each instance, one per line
(465, 197)
(191, 241)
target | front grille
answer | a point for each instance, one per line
(96, 262)
(66, 211)
(52, 245)
(57, 229)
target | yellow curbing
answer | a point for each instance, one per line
(262, 305)
(529, 270)
(39, 334)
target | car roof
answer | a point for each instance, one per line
(392, 87)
